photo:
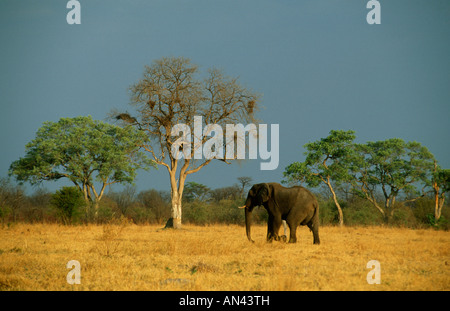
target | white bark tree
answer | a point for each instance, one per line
(171, 93)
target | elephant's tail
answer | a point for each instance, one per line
(316, 209)
(315, 218)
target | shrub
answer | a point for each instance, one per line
(328, 214)
(360, 212)
(196, 212)
(404, 217)
(226, 211)
(68, 202)
(423, 210)
(140, 214)
(156, 206)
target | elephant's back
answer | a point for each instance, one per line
(305, 194)
(302, 194)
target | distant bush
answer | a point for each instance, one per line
(12, 200)
(225, 211)
(328, 214)
(225, 193)
(358, 212)
(68, 202)
(423, 210)
(154, 207)
(38, 208)
(218, 207)
(404, 217)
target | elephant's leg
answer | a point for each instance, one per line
(314, 227)
(292, 232)
(270, 228)
(273, 227)
(276, 227)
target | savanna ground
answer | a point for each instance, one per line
(219, 257)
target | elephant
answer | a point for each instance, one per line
(296, 205)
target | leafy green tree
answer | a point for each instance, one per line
(326, 162)
(67, 202)
(195, 191)
(393, 166)
(84, 151)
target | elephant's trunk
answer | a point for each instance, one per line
(248, 223)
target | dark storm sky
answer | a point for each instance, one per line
(317, 63)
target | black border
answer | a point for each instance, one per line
(170, 300)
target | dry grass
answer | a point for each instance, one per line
(130, 257)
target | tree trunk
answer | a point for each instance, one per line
(439, 203)
(97, 198)
(338, 206)
(437, 207)
(389, 207)
(176, 193)
(174, 222)
(96, 206)
(389, 217)
(84, 189)
(176, 213)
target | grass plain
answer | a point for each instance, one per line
(219, 257)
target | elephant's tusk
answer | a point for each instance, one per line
(241, 206)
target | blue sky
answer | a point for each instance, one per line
(317, 63)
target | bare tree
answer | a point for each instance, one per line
(124, 199)
(171, 93)
(12, 198)
(244, 181)
(157, 202)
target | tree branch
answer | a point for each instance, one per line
(198, 168)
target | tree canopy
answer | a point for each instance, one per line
(326, 162)
(380, 172)
(394, 166)
(172, 92)
(84, 151)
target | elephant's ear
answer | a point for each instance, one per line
(264, 192)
